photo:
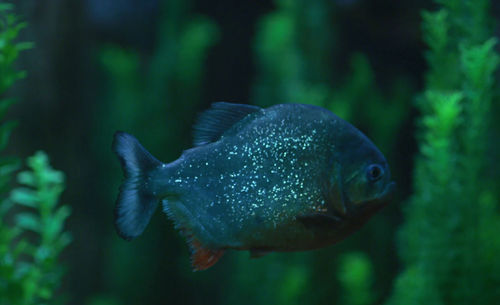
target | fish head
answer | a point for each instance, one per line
(364, 177)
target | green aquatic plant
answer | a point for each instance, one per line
(31, 223)
(29, 270)
(359, 90)
(156, 96)
(168, 82)
(356, 278)
(447, 241)
(295, 50)
(9, 52)
(294, 47)
(295, 57)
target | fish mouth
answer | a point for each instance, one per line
(388, 192)
(384, 198)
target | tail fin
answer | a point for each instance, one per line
(136, 202)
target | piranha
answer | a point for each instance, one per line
(289, 177)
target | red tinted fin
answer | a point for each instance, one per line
(203, 258)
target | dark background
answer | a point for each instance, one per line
(97, 67)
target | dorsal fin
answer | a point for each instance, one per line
(218, 119)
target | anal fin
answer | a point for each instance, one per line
(203, 258)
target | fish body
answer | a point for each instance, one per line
(286, 178)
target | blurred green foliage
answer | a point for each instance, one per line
(29, 247)
(295, 49)
(156, 97)
(356, 278)
(30, 271)
(448, 239)
(9, 49)
(9, 52)
(448, 243)
(163, 88)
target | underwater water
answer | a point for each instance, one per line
(419, 79)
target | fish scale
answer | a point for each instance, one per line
(268, 181)
(271, 179)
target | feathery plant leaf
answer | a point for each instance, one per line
(447, 241)
(29, 271)
(9, 50)
(36, 274)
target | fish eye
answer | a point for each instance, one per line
(374, 172)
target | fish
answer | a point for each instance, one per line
(290, 177)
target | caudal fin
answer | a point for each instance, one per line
(136, 202)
